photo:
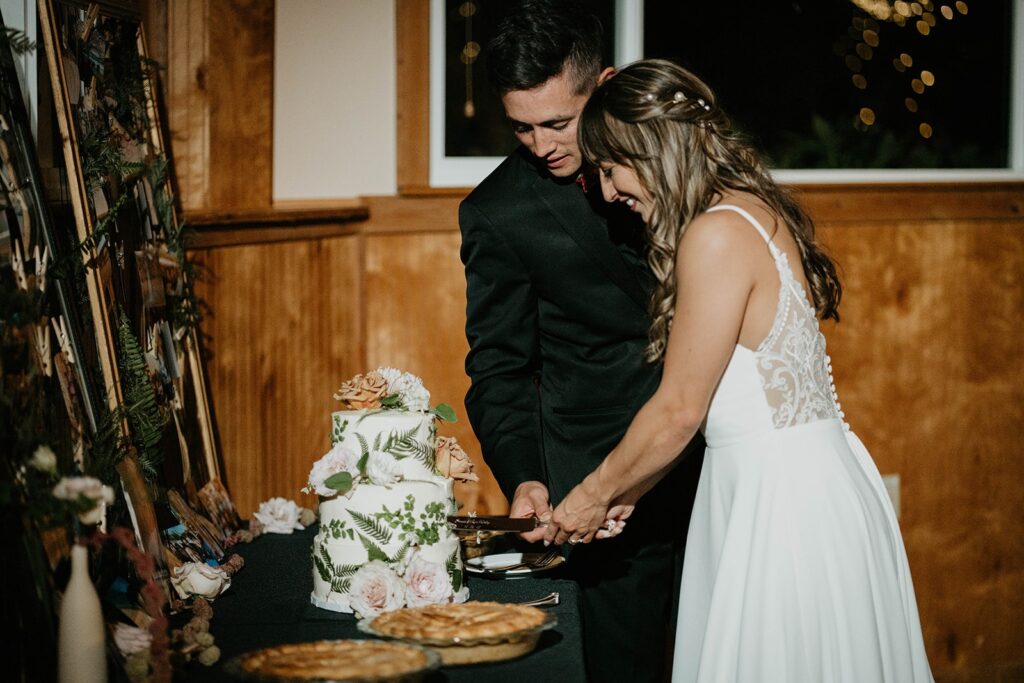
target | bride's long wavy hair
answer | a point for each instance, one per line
(663, 122)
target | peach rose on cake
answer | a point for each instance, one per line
(363, 392)
(452, 461)
(426, 583)
(375, 589)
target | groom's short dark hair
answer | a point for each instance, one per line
(539, 39)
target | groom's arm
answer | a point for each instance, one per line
(503, 359)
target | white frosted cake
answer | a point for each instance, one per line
(385, 491)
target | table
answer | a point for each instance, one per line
(268, 604)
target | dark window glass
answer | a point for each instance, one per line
(475, 122)
(826, 85)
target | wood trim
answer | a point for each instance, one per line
(412, 33)
(337, 212)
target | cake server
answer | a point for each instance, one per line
(494, 523)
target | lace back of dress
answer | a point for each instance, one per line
(796, 372)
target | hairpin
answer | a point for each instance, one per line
(678, 96)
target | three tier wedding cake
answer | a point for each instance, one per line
(385, 491)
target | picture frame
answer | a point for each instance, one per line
(139, 279)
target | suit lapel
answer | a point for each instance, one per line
(569, 206)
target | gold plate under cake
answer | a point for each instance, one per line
(467, 633)
(343, 661)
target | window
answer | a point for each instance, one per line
(863, 90)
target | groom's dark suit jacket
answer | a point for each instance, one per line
(557, 323)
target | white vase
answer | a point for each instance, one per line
(81, 647)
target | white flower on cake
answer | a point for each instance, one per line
(194, 578)
(409, 388)
(279, 516)
(382, 469)
(89, 494)
(426, 583)
(375, 588)
(339, 459)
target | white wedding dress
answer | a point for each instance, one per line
(795, 568)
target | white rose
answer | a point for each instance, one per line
(194, 578)
(340, 458)
(131, 639)
(279, 516)
(409, 388)
(426, 583)
(84, 489)
(383, 469)
(375, 588)
(44, 459)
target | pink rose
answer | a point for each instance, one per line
(375, 588)
(426, 583)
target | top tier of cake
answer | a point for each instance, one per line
(407, 437)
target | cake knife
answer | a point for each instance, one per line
(495, 523)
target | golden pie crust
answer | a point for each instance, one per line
(467, 633)
(337, 660)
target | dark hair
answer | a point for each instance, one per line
(665, 123)
(538, 39)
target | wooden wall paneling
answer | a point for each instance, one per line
(415, 321)
(188, 107)
(220, 91)
(240, 76)
(283, 332)
(929, 370)
(412, 43)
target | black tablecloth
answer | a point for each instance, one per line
(268, 604)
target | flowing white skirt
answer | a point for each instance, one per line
(795, 568)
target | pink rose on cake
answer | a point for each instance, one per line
(375, 588)
(451, 461)
(339, 459)
(426, 583)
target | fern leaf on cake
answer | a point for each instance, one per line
(402, 553)
(340, 585)
(373, 528)
(454, 573)
(344, 570)
(373, 551)
(364, 448)
(408, 445)
(323, 567)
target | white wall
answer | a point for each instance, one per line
(334, 99)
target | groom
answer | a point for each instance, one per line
(558, 291)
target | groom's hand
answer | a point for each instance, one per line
(531, 500)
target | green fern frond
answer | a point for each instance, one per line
(371, 527)
(373, 551)
(322, 569)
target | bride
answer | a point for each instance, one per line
(795, 569)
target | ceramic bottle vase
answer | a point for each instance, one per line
(81, 650)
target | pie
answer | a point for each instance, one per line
(337, 660)
(467, 633)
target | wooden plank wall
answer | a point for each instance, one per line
(927, 358)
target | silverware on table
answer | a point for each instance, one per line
(547, 601)
(537, 563)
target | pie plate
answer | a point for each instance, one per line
(333, 661)
(491, 565)
(456, 650)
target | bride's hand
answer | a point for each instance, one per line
(579, 517)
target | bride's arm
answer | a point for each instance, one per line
(714, 267)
